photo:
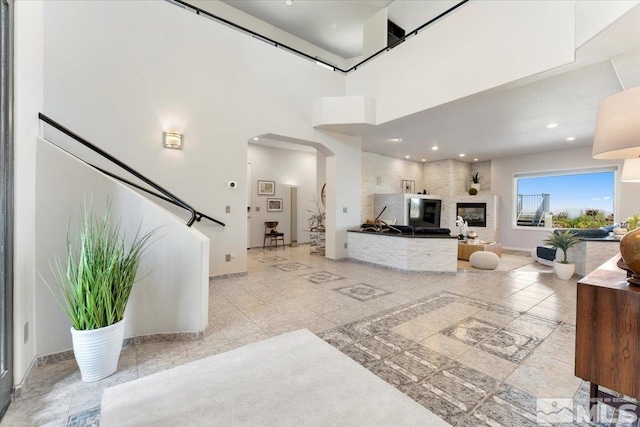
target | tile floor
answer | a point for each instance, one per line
(475, 348)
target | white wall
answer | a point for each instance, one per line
(287, 168)
(243, 19)
(117, 76)
(389, 172)
(28, 95)
(374, 33)
(479, 46)
(447, 177)
(343, 189)
(594, 16)
(483, 169)
(627, 201)
(171, 297)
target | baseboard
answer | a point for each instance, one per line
(228, 275)
(19, 388)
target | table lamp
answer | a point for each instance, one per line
(617, 136)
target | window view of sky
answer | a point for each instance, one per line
(573, 194)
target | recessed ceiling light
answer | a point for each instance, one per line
(289, 2)
(461, 155)
(552, 125)
(395, 139)
(424, 160)
(475, 160)
(571, 138)
(334, 25)
(406, 157)
(434, 148)
(256, 138)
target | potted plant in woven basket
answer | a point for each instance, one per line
(562, 240)
(95, 284)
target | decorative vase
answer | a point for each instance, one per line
(97, 351)
(630, 250)
(564, 271)
(476, 186)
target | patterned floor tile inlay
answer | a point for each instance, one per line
(88, 418)
(271, 259)
(508, 344)
(362, 292)
(322, 277)
(459, 394)
(470, 331)
(292, 266)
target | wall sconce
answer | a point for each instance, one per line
(173, 140)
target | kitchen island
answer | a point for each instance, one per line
(404, 252)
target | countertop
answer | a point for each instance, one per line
(406, 236)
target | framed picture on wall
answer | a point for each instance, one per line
(274, 205)
(266, 188)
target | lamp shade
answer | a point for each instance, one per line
(617, 134)
(631, 171)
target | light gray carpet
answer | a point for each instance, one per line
(507, 263)
(295, 379)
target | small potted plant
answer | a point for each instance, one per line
(475, 182)
(317, 218)
(563, 240)
(95, 283)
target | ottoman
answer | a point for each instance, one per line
(484, 260)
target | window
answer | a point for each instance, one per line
(582, 199)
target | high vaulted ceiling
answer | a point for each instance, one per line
(508, 120)
(334, 25)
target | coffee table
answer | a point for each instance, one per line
(466, 249)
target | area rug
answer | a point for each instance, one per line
(507, 263)
(295, 379)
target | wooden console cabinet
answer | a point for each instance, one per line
(608, 331)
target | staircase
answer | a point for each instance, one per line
(531, 209)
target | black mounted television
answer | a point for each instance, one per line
(424, 212)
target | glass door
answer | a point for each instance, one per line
(6, 204)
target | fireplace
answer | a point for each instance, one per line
(474, 213)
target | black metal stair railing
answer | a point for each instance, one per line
(164, 194)
(199, 11)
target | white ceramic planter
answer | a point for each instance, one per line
(476, 186)
(564, 271)
(97, 351)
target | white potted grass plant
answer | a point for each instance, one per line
(95, 284)
(563, 240)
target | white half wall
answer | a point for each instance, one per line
(288, 169)
(173, 296)
(479, 46)
(502, 184)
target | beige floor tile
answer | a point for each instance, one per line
(487, 363)
(550, 379)
(495, 318)
(445, 345)
(268, 302)
(547, 314)
(421, 327)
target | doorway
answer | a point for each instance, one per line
(6, 205)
